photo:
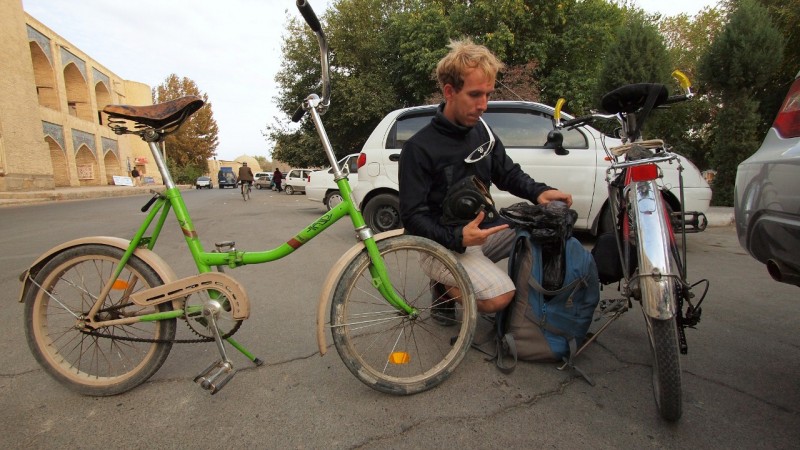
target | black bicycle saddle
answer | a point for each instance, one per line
(632, 97)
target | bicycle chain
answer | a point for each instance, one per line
(157, 341)
(96, 333)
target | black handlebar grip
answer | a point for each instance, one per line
(675, 99)
(309, 15)
(298, 114)
(576, 121)
(150, 203)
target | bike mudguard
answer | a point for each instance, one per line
(656, 269)
(148, 256)
(333, 278)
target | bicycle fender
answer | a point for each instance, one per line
(656, 269)
(330, 284)
(148, 256)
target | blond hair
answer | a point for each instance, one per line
(463, 56)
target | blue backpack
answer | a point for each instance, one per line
(540, 324)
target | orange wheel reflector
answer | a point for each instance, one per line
(120, 285)
(399, 358)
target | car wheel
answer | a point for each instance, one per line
(382, 213)
(289, 190)
(258, 186)
(332, 199)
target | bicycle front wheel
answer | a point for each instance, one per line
(387, 349)
(109, 360)
(666, 367)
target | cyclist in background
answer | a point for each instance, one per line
(245, 176)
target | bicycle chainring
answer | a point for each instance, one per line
(200, 325)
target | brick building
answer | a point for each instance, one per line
(52, 130)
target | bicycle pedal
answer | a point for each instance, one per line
(208, 379)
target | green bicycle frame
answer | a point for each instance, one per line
(171, 199)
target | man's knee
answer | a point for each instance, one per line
(495, 304)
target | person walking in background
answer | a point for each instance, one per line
(137, 177)
(277, 177)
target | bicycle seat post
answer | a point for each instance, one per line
(158, 157)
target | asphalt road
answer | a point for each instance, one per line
(741, 376)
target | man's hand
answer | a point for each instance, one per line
(472, 234)
(554, 195)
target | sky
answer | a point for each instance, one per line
(231, 49)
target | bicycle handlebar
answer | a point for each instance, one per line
(310, 16)
(312, 101)
(298, 114)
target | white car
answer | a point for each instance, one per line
(523, 129)
(296, 180)
(321, 186)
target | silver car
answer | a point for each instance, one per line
(767, 195)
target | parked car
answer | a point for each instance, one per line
(296, 180)
(203, 182)
(767, 195)
(321, 186)
(226, 178)
(263, 180)
(523, 128)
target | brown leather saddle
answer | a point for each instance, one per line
(162, 115)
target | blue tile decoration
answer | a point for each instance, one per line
(56, 132)
(99, 76)
(67, 57)
(43, 41)
(109, 145)
(83, 138)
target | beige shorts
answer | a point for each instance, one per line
(488, 279)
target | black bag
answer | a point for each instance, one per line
(606, 257)
(465, 199)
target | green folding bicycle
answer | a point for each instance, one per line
(101, 312)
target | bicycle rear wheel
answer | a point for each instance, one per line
(663, 336)
(119, 359)
(389, 350)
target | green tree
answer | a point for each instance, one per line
(785, 15)
(383, 56)
(575, 57)
(362, 92)
(687, 39)
(189, 148)
(638, 55)
(737, 69)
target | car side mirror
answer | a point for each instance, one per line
(555, 140)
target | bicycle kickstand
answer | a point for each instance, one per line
(208, 379)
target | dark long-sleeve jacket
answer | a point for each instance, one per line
(433, 159)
